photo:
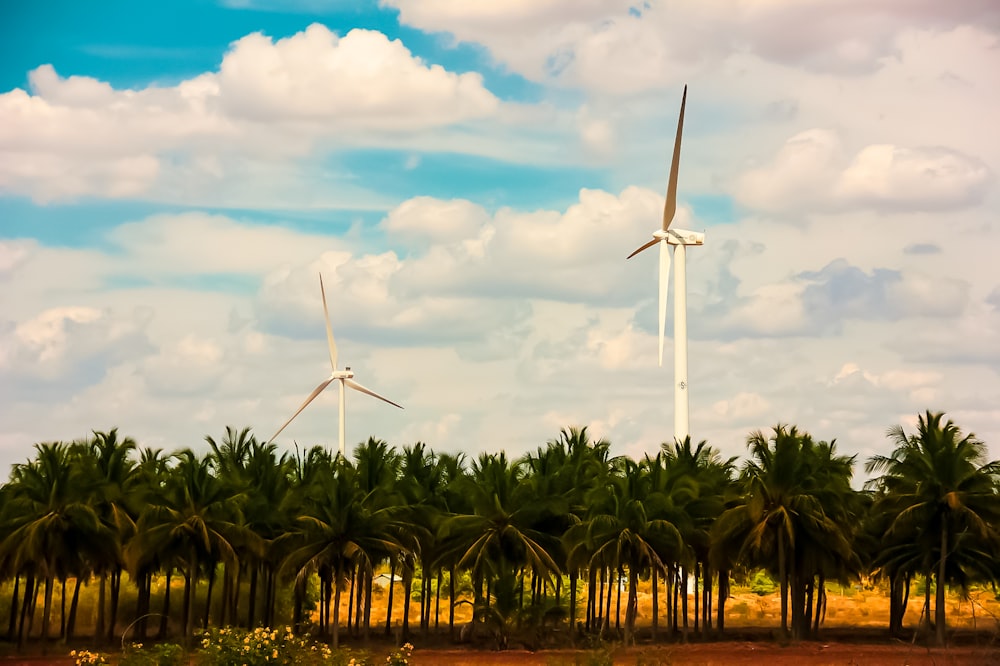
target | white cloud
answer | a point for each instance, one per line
(627, 47)
(810, 173)
(360, 81)
(65, 348)
(270, 100)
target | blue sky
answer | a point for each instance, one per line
(469, 177)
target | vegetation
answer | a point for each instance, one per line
(548, 542)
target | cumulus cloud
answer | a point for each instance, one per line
(69, 137)
(810, 173)
(66, 348)
(360, 81)
(621, 46)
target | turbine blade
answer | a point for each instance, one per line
(664, 284)
(644, 247)
(312, 396)
(329, 329)
(670, 207)
(358, 387)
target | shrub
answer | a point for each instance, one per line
(88, 658)
(164, 654)
(227, 646)
(762, 585)
(400, 657)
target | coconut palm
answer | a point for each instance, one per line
(943, 494)
(52, 527)
(499, 536)
(624, 535)
(112, 470)
(336, 533)
(197, 520)
(790, 509)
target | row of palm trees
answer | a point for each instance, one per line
(543, 542)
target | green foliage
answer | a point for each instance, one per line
(224, 647)
(163, 654)
(762, 584)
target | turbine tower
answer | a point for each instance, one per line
(679, 239)
(345, 377)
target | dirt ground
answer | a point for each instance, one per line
(708, 654)
(729, 654)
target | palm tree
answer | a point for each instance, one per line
(52, 525)
(942, 492)
(500, 536)
(793, 491)
(111, 468)
(623, 533)
(696, 479)
(198, 519)
(335, 533)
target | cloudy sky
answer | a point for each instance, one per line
(469, 177)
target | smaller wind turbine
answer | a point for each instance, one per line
(345, 377)
(679, 238)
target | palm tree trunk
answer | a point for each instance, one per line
(820, 604)
(208, 594)
(187, 604)
(437, 599)
(12, 617)
(116, 586)
(62, 608)
(46, 610)
(350, 602)
(697, 594)
(810, 591)
(632, 607)
(783, 578)
(927, 599)
(654, 586)
(369, 581)
(720, 605)
(606, 625)
(572, 606)
(388, 607)
(165, 615)
(29, 592)
(669, 591)
(619, 572)
(451, 604)
(684, 603)
(407, 590)
(706, 597)
(71, 621)
(99, 629)
(939, 600)
(336, 607)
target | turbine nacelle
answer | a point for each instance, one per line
(680, 237)
(347, 373)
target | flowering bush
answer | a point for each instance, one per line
(224, 647)
(87, 658)
(164, 654)
(400, 657)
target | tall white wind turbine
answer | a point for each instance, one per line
(679, 239)
(345, 377)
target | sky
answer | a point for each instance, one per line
(469, 178)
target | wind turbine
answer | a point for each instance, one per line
(679, 239)
(345, 377)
